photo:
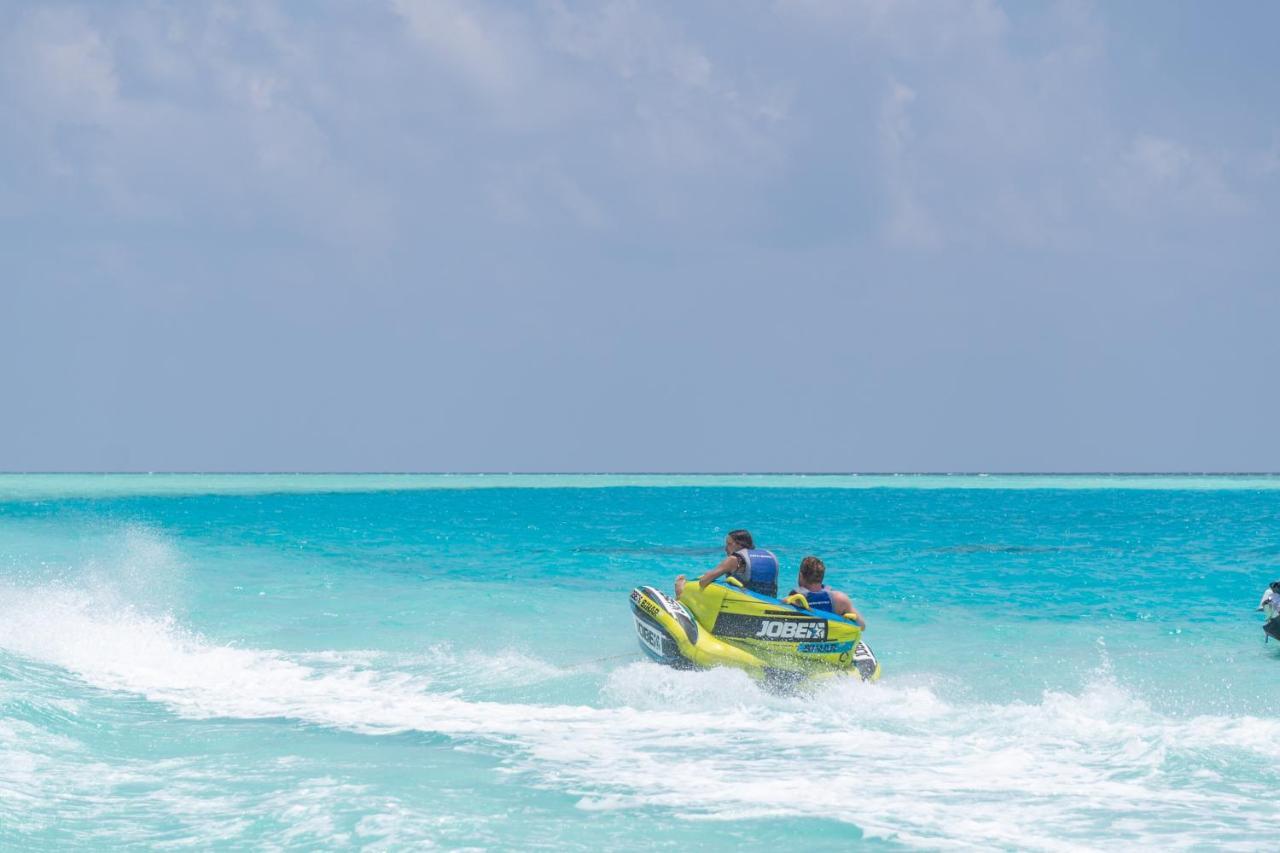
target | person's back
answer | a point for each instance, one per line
(821, 597)
(755, 568)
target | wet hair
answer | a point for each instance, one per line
(812, 570)
(742, 538)
(1275, 586)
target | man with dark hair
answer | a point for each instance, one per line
(755, 568)
(812, 571)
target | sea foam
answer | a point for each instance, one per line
(894, 759)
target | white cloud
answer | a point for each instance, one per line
(1004, 135)
(483, 47)
(62, 66)
(915, 30)
(1160, 161)
(604, 116)
(909, 224)
(983, 146)
(1157, 176)
(249, 115)
(541, 194)
(635, 114)
(632, 42)
(186, 127)
(679, 119)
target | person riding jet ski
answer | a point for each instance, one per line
(1270, 603)
(1270, 607)
(819, 597)
(754, 568)
(732, 617)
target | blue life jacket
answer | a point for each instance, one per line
(818, 599)
(758, 571)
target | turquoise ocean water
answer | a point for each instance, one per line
(281, 661)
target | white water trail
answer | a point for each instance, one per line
(894, 759)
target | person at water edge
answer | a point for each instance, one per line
(755, 568)
(820, 597)
(1270, 604)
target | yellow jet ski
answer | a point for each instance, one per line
(726, 625)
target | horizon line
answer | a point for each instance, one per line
(191, 472)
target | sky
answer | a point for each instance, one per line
(802, 235)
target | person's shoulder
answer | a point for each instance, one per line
(837, 595)
(729, 563)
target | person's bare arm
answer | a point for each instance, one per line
(726, 567)
(844, 607)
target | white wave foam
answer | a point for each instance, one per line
(508, 667)
(896, 760)
(445, 668)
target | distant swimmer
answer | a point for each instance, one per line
(812, 571)
(755, 568)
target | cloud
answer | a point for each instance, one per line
(486, 49)
(909, 224)
(1163, 175)
(526, 195)
(594, 115)
(912, 30)
(918, 196)
(185, 128)
(1160, 161)
(958, 124)
(63, 66)
(678, 112)
(1003, 131)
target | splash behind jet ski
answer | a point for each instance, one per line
(726, 625)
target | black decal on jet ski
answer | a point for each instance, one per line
(655, 641)
(652, 638)
(864, 661)
(758, 628)
(648, 606)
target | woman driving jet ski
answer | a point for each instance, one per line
(756, 569)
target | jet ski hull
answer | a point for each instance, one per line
(723, 625)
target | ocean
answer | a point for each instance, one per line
(403, 661)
